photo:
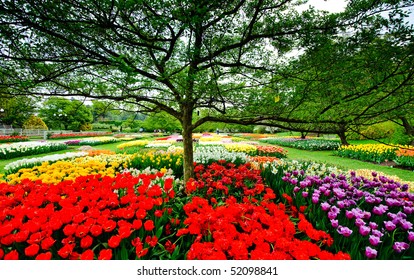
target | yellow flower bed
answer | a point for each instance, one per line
(106, 165)
(136, 143)
(241, 148)
(210, 138)
(371, 148)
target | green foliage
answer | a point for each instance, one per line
(379, 131)
(85, 127)
(405, 161)
(71, 114)
(34, 122)
(160, 121)
(16, 109)
(401, 138)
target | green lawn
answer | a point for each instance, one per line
(346, 163)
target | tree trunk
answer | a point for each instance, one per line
(342, 136)
(409, 129)
(188, 145)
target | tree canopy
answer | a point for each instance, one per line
(176, 56)
(61, 113)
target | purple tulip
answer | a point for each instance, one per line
(370, 199)
(374, 240)
(295, 173)
(315, 199)
(349, 214)
(406, 225)
(373, 225)
(389, 225)
(364, 230)
(325, 206)
(345, 231)
(334, 223)
(339, 193)
(380, 209)
(359, 222)
(400, 246)
(367, 215)
(377, 233)
(296, 189)
(370, 253)
(335, 209)
(332, 215)
(411, 236)
(305, 194)
(341, 204)
(294, 181)
(408, 210)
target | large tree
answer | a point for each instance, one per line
(175, 56)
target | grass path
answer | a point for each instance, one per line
(346, 163)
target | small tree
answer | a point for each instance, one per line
(34, 122)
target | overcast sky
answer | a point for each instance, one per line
(339, 5)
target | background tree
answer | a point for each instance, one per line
(34, 122)
(173, 56)
(16, 109)
(101, 109)
(62, 112)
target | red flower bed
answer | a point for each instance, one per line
(89, 218)
(247, 231)
(237, 219)
(8, 139)
(222, 180)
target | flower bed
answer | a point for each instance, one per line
(74, 135)
(29, 163)
(93, 217)
(273, 151)
(9, 139)
(368, 152)
(136, 143)
(211, 153)
(53, 173)
(371, 218)
(405, 157)
(8, 151)
(241, 148)
(305, 144)
(92, 142)
(232, 216)
(158, 160)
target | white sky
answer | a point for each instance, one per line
(327, 5)
(339, 5)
